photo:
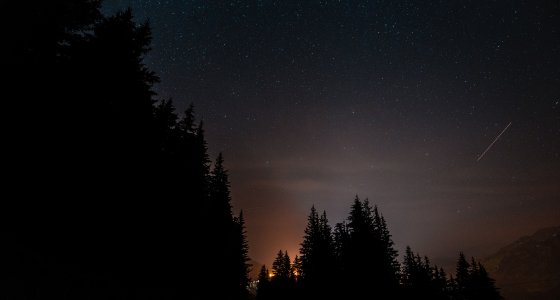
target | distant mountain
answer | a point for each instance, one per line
(529, 268)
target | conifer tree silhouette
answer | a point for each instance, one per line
(473, 282)
(462, 277)
(370, 259)
(318, 263)
(282, 283)
(263, 285)
(241, 257)
(133, 206)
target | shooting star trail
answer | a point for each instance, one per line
(499, 135)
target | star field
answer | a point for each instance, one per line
(314, 101)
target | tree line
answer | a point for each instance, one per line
(110, 193)
(356, 260)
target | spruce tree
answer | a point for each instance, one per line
(263, 285)
(341, 237)
(187, 122)
(241, 256)
(487, 286)
(282, 282)
(473, 282)
(359, 261)
(317, 255)
(370, 258)
(417, 276)
(389, 263)
(98, 126)
(202, 162)
(463, 276)
(281, 267)
(220, 193)
(409, 271)
(226, 237)
(439, 284)
(310, 243)
(297, 268)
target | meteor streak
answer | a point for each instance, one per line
(499, 135)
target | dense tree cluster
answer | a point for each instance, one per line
(112, 194)
(357, 260)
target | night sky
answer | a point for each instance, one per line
(313, 102)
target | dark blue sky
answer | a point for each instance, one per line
(313, 102)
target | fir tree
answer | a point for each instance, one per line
(297, 268)
(187, 122)
(473, 282)
(220, 192)
(281, 267)
(263, 285)
(439, 284)
(202, 165)
(282, 282)
(341, 237)
(389, 263)
(486, 285)
(369, 257)
(241, 256)
(317, 255)
(417, 276)
(101, 129)
(462, 276)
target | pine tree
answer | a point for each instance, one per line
(281, 267)
(390, 265)
(220, 192)
(473, 282)
(439, 284)
(241, 251)
(488, 289)
(120, 44)
(192, 159)
(263, 285)
(359, 261)
(452, 287)
(107, 138)
(310, 242)
(417, 276)
(202, 165)
(341, 237)
(105, 135)
(165, 120)
(226, 237)
(317, 255)
(282, 282)
(473, 268)
(463, 277)
(287, 266)
(358, 220)
(409, 269)
(187, 122)
(370, 257)
(297, 268)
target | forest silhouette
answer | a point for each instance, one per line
(111, 194)
(357, 260)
